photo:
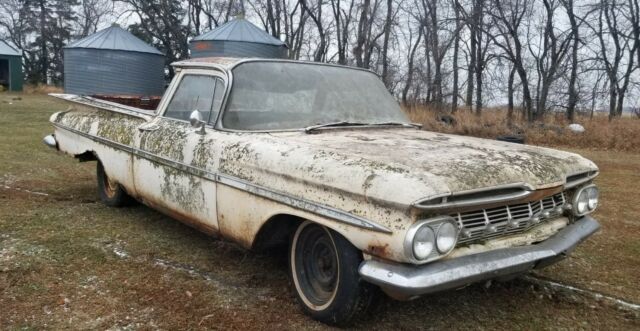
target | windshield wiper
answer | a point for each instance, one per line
(313, 128)
(412, 125)
(333, 125)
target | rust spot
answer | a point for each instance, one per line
(378, 250)
(201, 46)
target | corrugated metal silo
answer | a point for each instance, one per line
(238, 38)
(113, 62)
(11, 75)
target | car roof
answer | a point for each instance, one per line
(228, 63)
(221, 62)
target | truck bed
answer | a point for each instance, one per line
(120, 104)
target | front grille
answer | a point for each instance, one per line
(483, 224)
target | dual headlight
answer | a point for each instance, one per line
(431, 238)
(585, 200)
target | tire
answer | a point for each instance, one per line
(111, 193)
(324, 270)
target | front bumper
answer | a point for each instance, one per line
(407, 281)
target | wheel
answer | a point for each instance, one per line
(111, 193)
(324, 269)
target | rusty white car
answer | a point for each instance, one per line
(321, 158)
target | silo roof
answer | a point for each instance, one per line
(114, 38)
(8, 49)
(240, 30)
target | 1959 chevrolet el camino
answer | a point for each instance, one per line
(322, 158)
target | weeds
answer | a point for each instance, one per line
(621, 134)
(42, 89)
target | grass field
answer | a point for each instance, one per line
(67, 261)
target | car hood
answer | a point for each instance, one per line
(397, 165)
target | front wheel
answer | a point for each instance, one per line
(324, 270)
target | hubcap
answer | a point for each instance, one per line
(316, 264)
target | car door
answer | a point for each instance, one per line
(175, 166)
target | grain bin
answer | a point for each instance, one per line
(113, 62)
(238, 38)
(11, 74)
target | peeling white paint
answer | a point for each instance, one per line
(372, 175)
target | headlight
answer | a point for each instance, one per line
(446, 237)
(585, 200)
(431, 238)
(423, 242)
(594, 195)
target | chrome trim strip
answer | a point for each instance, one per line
(104, 104)
(303, 204)
(526, 191)
(299, 203)
(496, 225)
(410, 280)
(589, 175)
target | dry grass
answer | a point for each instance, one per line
(620, 134)
(42, 89)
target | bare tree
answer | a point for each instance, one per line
(91, 14)
(507, 18)
(410, 62)
(575, 47)
(549, 55)
(160, 22)
(617, 51)
(315, 12)
(342, 19)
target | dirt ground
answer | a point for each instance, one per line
(67, 261)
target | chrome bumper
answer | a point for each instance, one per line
(407, 281)
(50, 141)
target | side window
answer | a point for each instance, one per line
(195, 92)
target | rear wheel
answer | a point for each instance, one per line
(324, 270)
(111, 193)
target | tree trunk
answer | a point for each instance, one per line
(409, 81)
(44, 55)
(471, 68)
(573, 77)
(510, 92)
(385, 44)
(456, 50)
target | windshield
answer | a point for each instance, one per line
(289, 95)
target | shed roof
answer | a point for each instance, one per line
(240, 30)
(114, 38)
(8, 49)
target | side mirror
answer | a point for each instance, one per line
(195, 119)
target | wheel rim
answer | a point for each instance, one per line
(315, 265)
(110, 186)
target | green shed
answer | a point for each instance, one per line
(11, 75)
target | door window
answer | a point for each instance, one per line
(196, 92)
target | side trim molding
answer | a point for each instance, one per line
(258, 190)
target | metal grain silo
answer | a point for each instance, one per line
(11, 74)
(113, 62)
(238, 38)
